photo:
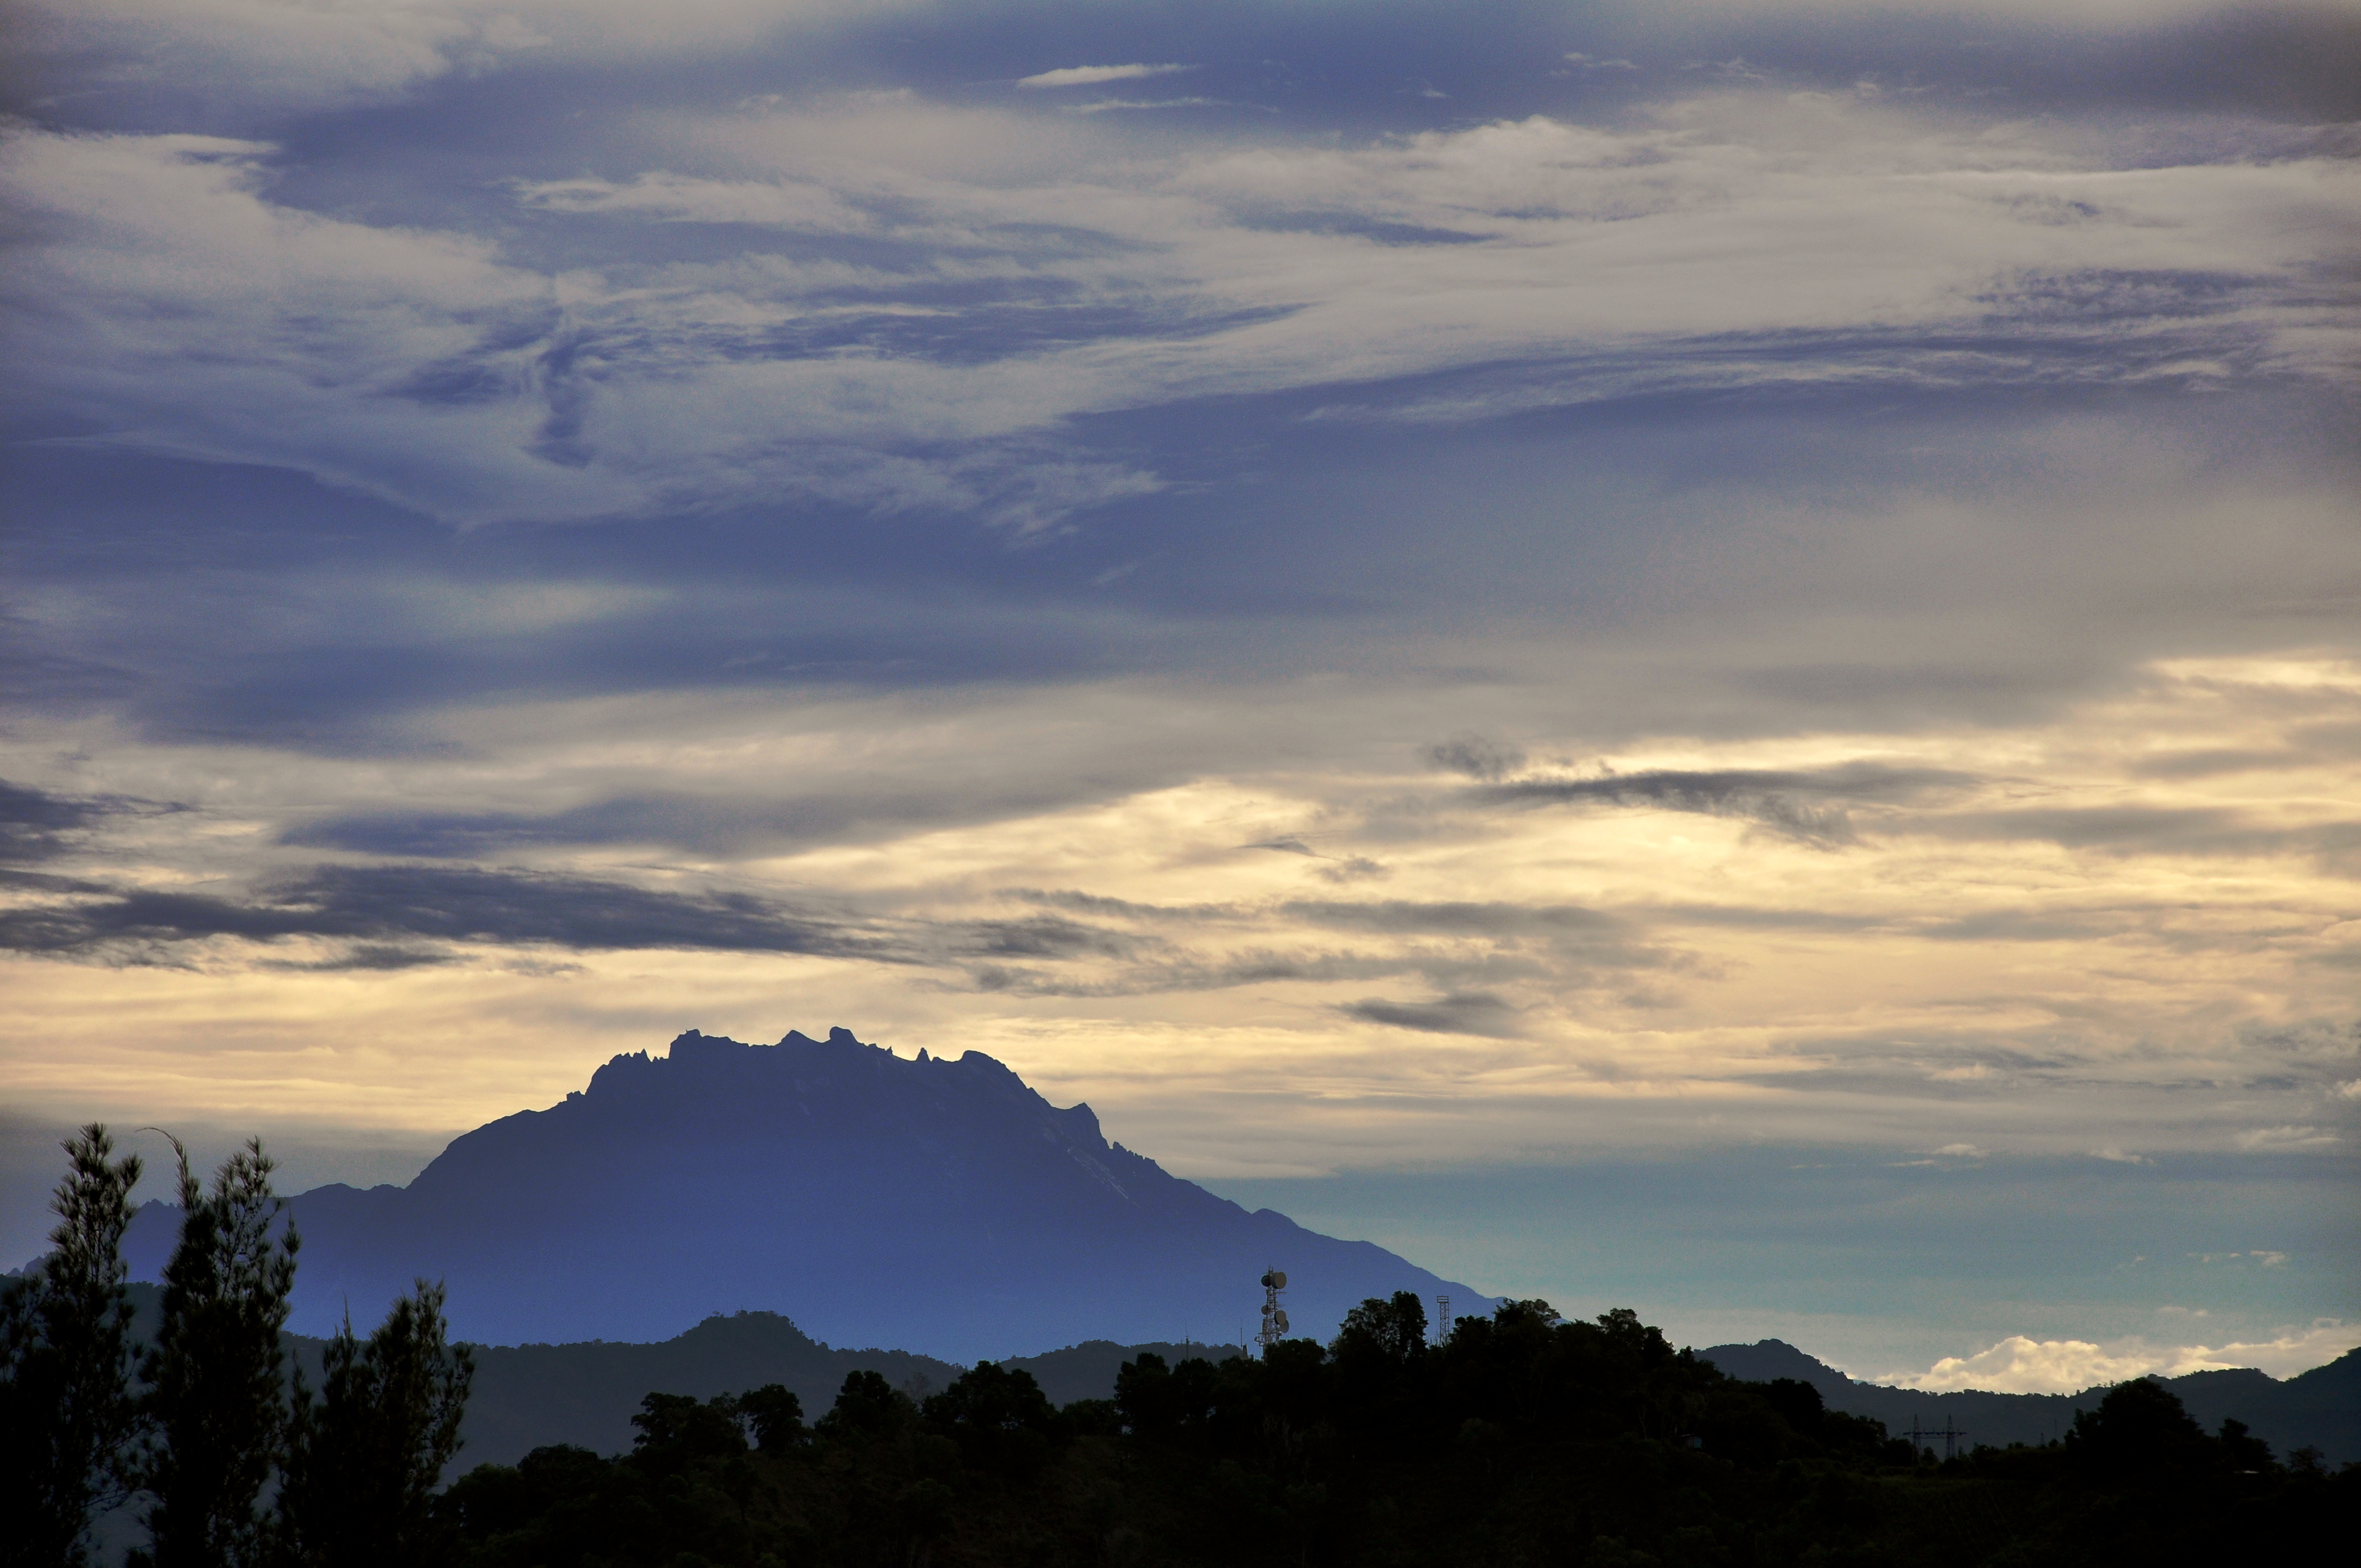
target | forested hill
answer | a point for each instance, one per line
(529, 1395)
(940, 1205)
(1520, 1439)
(2320, 1409)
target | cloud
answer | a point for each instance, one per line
(2019, 1364)
(1778, 800)
(378, 906)
(1118, 106)
(937, 349)
(36, 825)
(2263, 1140)
(1458, 918)
(1286, 845)
(1463, 1013)
(235, 58)
(1477, 757)
(1092, 75)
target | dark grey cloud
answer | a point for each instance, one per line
(37, 825)
(1477, 757)
(1462, 1013)
(384, 907)
(369, 957)
(1803, 804)
(1041, 936)
(1124, 909)
(1290, 845)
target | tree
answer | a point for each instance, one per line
(363, 1460)
(2140, 1436)
(216, 1395)
(1392, 1330)
(867, 1408)
(997, 1415)
(67, 1417)
(775, 1415)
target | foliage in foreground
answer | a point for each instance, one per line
(1520, 1438)
(230, 1464)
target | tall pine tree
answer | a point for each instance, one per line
(67, 1417)
(217, 1394)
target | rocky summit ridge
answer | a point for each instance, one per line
(938, 1205)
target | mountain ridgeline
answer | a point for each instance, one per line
(2319, 1409)
(934, 1205)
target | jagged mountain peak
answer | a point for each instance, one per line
(935, 1203)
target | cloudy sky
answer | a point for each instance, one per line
(1700, 655)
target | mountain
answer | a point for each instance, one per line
(938, 1205)
(2320, 1409)
(528, 1394)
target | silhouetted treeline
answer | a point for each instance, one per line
(1518, 1438)
(226, 1459)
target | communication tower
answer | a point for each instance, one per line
(1274, 1316)
(1442, 1319)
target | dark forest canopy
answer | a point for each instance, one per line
(1520, 1438)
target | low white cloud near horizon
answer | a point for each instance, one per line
(2021, 1366)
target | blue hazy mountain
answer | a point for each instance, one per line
(932, 1205)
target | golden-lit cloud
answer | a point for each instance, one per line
(2047, 937)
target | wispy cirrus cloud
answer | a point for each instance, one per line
(1096, 75)
(425, 365)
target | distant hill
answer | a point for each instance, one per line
(936, 1205)
(2320, 1409)
(528, 1394)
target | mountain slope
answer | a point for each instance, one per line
(937, 1205)
(2320, 1409)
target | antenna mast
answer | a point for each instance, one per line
(1274, 1316)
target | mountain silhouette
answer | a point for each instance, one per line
(931, 1205)
(2320, 1409)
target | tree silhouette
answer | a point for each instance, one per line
(217, 1398)
(867, 1406)
(364, 1460)
(2141, 1437)
(998, 1415)
(775, 1415)
(67, 1417)
(1393, 1330)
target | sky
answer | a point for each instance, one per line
(1699, 655)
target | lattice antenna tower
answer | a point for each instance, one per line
(1442, 1319)
(1274, 1316)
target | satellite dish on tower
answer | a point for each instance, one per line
(1274, 1316)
